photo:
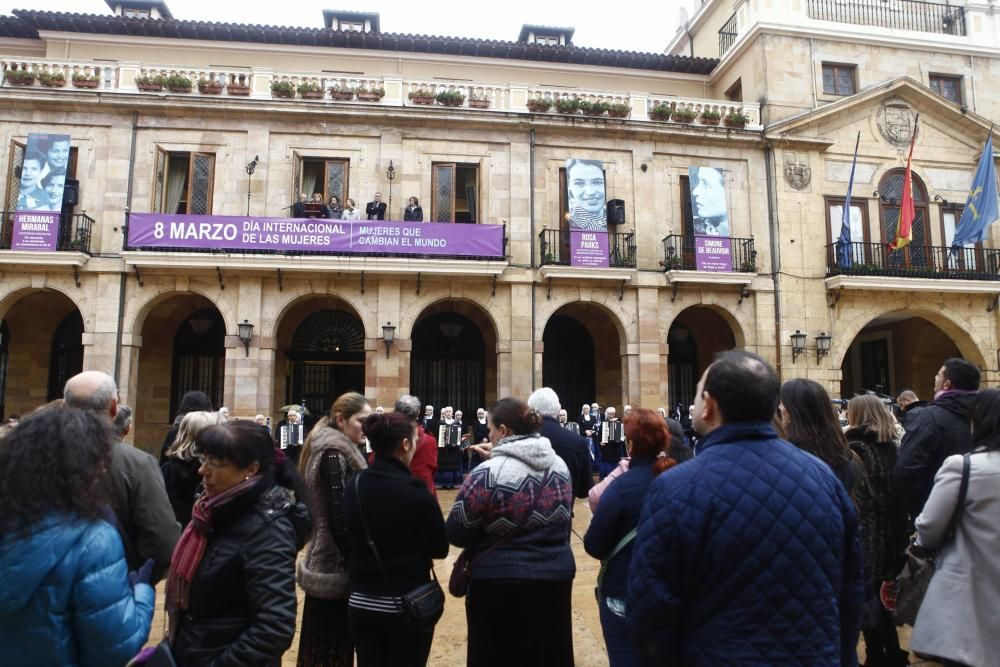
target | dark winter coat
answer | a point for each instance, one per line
(405, 523)
(933, 434)
(884, 529)
(747, 554)
(181, 479)
(243, 598)
(574, 450)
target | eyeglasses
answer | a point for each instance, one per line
(214, 464)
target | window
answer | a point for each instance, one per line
(329, 177)
(948, 87)
(184, 182)
(971, 253)
(547, 40)
(137, 13)
(890, 190)
(839, 79)
(455, 192)
(735, 92)
(352, 26)
(860, 235)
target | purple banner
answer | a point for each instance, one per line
(35, 230)
(239, 234)
(588, 248)
(713, 253)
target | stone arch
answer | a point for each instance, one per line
(739, 335)
(19, 293)
(615, 312)
(305, 293)
(416, 311)
(136, 312)
(696, 334)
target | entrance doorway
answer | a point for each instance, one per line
(327, 359)
(696, 335)
(448, 366)
(568, 363)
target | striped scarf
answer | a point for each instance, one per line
(191, 547)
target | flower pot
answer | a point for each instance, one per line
(180, 89)
(479, 104)
(662, 116)
(53, 83)
(710, 121)
(150, 87)
(538, 107)
(238, 90)
(284, 94)
(343, 97)
(594, 112)
(422, 100)
(84, 83)
(618, 114)
(375, 97)
(567, 111)
(680, 118)
(210, 89)
(313, 94)
(28, 81)
(452, 103)
(738, 124)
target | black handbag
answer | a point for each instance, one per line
(912, 582)
(419, 608)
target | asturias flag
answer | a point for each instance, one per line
(981, 208)
(904, 228)
(844, 242)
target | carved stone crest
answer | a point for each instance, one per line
(895, 121)
(797, 172)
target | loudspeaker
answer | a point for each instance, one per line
(616, 212)
(71, 192)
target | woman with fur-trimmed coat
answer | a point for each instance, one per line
(331, 455)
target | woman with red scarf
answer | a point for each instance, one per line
(231, 588)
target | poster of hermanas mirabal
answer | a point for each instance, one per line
(40, 196)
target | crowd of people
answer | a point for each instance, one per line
(333, 209)
(777, 540)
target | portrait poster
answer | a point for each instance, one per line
(708, 201)
(40, 196)
(587, 212)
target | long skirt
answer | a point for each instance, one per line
(325, 638)
(542, 635)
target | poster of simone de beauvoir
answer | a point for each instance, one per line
(40, 197)
(585, 196)
(708, 201)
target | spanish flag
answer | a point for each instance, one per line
(904, 228)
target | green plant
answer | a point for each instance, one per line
(567, 105)
(450, 98)
(421, 92)
(748, 267)
(593, 108)
(20, 77)
(282, 89)
(53, 79)
(672, 264)
(683, 115)
(737, 118)
(661, 112)
(378, 92)
(619, 110)
(151, 80)
(208, 84)
(342, 88)
(177, 82)
(710, 114)
(79, 76)
(309, 87)
(539, 105)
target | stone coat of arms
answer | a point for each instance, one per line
(797, 172)
(895, 121)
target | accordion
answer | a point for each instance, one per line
(290, 435)
(449, 435)
(572, 426)
(612, 432)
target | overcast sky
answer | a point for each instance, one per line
(633, 25)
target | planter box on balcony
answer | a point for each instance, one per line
(682, 118)
(422, 100)
(738, 124)
(710, 120)
(53, 83)
(375, 97)
(313, 94)
(452, 103)
(180, 89)
(479, 104)
(593, 112)
(84, 83)
(21, 81)
(539, 106)
(342, 97)
(150, 87)
(210, 89)
(238, 90)
(618, 114)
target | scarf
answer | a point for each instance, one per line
(582, 219)
(191, 547)
(944, 393)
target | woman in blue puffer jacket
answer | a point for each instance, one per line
(65, 593)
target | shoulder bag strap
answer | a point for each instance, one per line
(622, 543)
(963, 490)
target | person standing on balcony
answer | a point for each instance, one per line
(375, 209)
(299, 207)
(585, 195)
(413, 211)
(350, 212)
(334, 210)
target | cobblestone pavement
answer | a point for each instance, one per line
(449, 637)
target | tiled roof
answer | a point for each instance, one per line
(322, 37)
(11, 26)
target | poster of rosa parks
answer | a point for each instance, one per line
(40, 196)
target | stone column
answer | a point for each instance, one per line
(390, 374)
(650, 362)
(523, 366)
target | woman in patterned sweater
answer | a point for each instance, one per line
(513, 513)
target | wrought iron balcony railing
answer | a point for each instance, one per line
(875, 259)
(727, 35)
(74, 232)
(680, 253)
(912, 15)
(556, 248)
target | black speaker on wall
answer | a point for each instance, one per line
(71, 192)
(616, 212)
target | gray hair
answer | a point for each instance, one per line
(409, 405)
(545, 402)
(122, 422)
(102, 392)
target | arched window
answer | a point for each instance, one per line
(447, 365)
(66, 358)
(199, 357)
(328, 359)
(891, 190)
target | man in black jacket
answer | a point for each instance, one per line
(375, 210)
(909, 404)
(570, 447)
(936, 432)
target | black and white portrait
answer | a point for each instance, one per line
(708, 201)
(585, 195)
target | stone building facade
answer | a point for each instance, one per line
(466, 331)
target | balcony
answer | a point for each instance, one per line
(556, 251)
(910, 15)
(74, 232)
(680, 253)
(728, 34)
(346, 92)
(914, 268)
